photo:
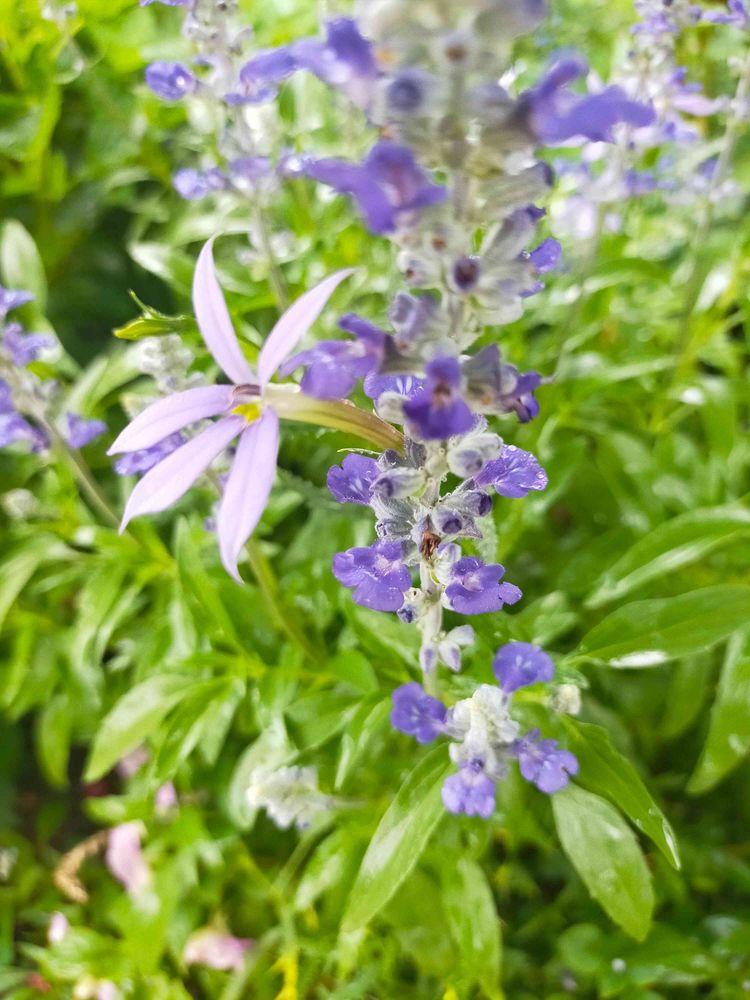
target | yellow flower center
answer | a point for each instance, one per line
(250, 411)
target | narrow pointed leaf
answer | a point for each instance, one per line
(605, 853)
(399, 840)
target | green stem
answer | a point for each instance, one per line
(269, 588)
(83, 474)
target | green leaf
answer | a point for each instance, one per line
(19, 568)
(728, 739)
(398, 841)
(605, 771)
(474, 923)
(683, 540)
(687, 691)
(648, 633)
(52, 734)
(21, 266)
(135, 716)
(605, 853)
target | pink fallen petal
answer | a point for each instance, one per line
(171, 414)
(132, 762)
(175, 474)
(216, 950)
(124, 858)
(247, 489)
(58, 928)
(165, 799)
(295, 323)
(214, 322)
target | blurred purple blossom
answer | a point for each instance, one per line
(544, 763)
(517, 664)
(170, 80)
(80, 431)
(417, 714)
(475, 587)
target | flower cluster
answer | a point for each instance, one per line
(484, 735)
(29, 401)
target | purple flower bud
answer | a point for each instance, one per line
(417, 714)
(81, 432)
(345, 60)
(351, 482)
(135, 462)
(398, 482)
(475, 503)
(518, 664)
(543, 762)
(513, 474)
(378, 575)
(449, 521)
(170, 80)
(546, 256)
(469, 791)
(440, 412)
(495, 387)
(13, 299)
(407, 92)
(24, 348)
(465, 274)
(193, 184)
(475, 588)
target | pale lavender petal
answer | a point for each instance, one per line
(246, 492)
(171, 414)
(124, 858)
(175, 474)
(295, 323)
(214, 322)
(216, 950)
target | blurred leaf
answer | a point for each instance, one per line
(53, 726)
(21, 266)
(683, 540)
(474, 923)
(648, 633)
(728, 739)
(607, 772)
(135, 716)
(399, 840)
(605, 853)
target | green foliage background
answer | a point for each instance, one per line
(634, 566)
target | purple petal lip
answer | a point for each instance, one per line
(214, 322)
(171, 414)
(247, 488)
(173, 476)
(295, 323)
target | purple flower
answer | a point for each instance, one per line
(469, 791)
(388, 186)
(250, 169)
(378, 575)
(24, 348)
(167, 3)
(13, 299)
(351, 482)
(333, 366)
(543, 762)
(243, 408)
(14, 427)
(260, 76)
(345, 60)
(416, 713)
(193, 184)
(170, 80)
(546, 256)
(81, 432)
(514, 473)
(475, 588)
(439, 412)
(517, 664)
(554, 114)
(494, 387)
(737, 14)
(216, 950)
(137, 462)
(407, 91)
